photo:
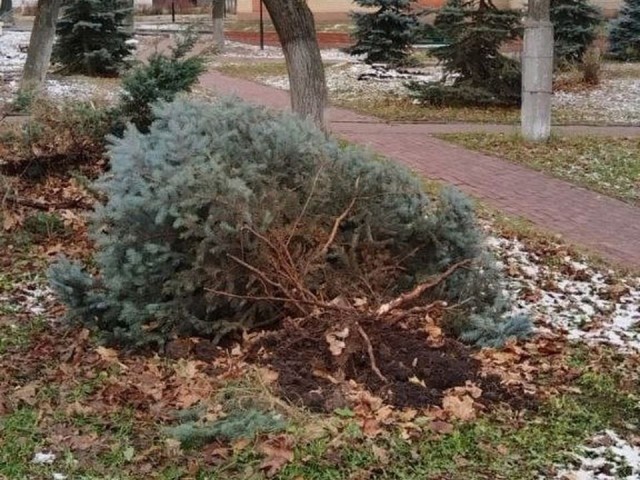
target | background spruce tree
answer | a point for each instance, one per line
(476, 72)
(162, 78)
(576, 24)
(624, 37)
(91, 39)
(386, 34)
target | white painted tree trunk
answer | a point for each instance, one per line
(40, 45)
(217, 14)
(129, 22)
(537, 73)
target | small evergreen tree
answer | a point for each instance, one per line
(160, 79)
(91, 39)
(624, 37)
(386, 34)
(205, 209)
(450, 19)
(575, 24)
(476, 72)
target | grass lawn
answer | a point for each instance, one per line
(382, 105)
(89, 409)
(607, 165)
(400, 109)
(104, 413)
(254, 70)
(391, 107)
(73, 408)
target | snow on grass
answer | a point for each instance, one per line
(616, 100)
(607, 457)
(246, 51)
(590, 305)
(351, 80)
(12, 58)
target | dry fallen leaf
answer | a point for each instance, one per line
(267, 375)
(108, 355)
(10, 220)
(336, 341)
(278, 452)
(172, 447)
(26, 393)
(371, 427)
(459, 407)
(380, 454)
(416, 381)
(438, 426)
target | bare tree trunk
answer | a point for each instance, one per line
(40, 45)
(296, 29)
(217, 14)
(6, 13)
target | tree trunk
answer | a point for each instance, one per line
(129, 22)
(217, 14)
(296, 29)
(40, 45)
(537, 73)
(6, 14)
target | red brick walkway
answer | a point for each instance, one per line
(600, 223)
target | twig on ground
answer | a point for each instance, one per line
(420, 289)
(27, 202)
(372, 357)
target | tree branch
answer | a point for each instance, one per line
(420, 289)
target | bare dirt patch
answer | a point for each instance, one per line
(417, 368)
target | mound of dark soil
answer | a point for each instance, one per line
(417, 373)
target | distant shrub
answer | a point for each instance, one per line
(91, 37)
(386, 33)
(441, 95)
(476, 71)
(222, 209)
(160, 79)
(575, 28)
(624, 34)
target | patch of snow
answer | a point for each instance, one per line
(244, 50)
(349, 80)
(591, 305)
(608, 457)
(12, 58)
(43, 458)
(59, 476)
(29, 299)
(616, 100)
(35, 300)
(12, 53)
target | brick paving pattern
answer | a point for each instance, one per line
(600, 223)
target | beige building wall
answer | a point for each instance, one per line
(323, 9)
(609, 7)
(340, 8)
